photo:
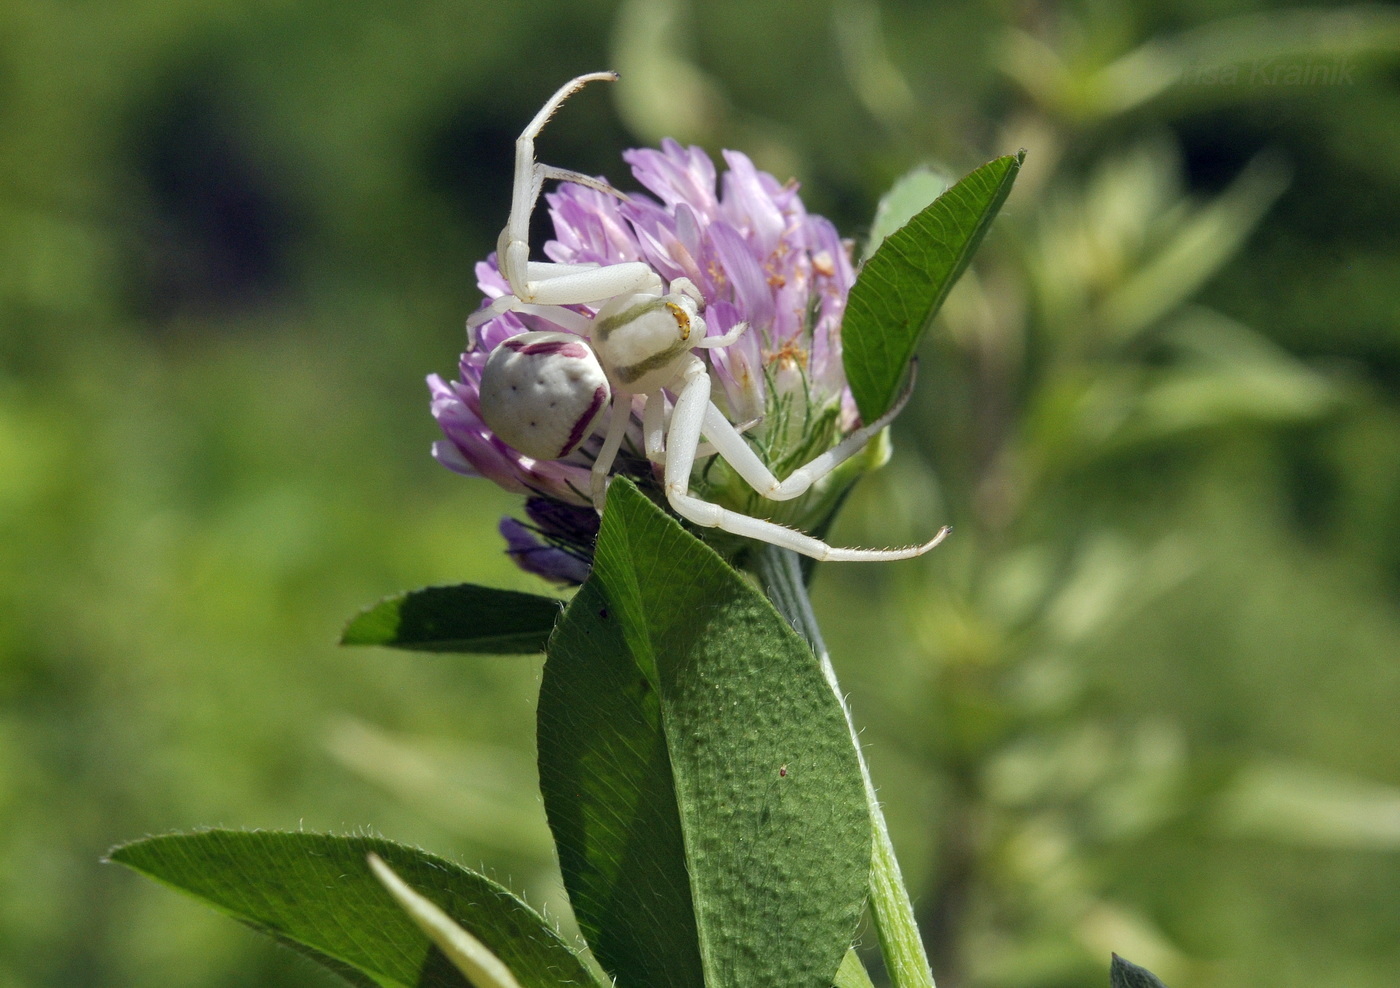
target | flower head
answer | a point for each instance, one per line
(756, 255)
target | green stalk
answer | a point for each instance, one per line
(780, 571)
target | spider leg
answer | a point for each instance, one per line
(513, 247)
(687, 419)
(481, 317)
(612, 441)
(712, 342)
(726, 439)
(654, 428)
(540, 270)
(579, 178)
(593, 284)
(575, 322)
(468, 954)
(574, 284)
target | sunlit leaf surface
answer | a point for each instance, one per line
(316, 894)
(697, 771)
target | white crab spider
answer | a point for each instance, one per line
(545, 392)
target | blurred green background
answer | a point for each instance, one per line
(1144, 700)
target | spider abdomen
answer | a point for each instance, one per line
(543, 392)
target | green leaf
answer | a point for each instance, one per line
(1122, 974)
(461, 618)
(903, 284)
(316, 894)
(906, 198)
(852, 973)
(1225, 374)
(468, 954)
(697, 771)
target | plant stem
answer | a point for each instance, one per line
(780, 571)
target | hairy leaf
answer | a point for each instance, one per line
(697, 771)
(316, 894)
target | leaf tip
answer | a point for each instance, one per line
(1125, 974)
(115, 853)
(374, 625)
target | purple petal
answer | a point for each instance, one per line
(534, 556)
(748, 204)
(676, 175)
(738, 367)
(751, 290)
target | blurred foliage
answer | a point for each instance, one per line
(1143, 700)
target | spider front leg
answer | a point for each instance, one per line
(730, 445)
(513, 247)
(654, 423)
(540, 282)
(573, 284)
(692, 411)
(656, 418)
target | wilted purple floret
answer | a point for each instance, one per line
(755, 254)
(559, 545)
